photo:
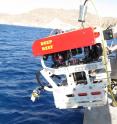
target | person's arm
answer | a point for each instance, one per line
(113, 48)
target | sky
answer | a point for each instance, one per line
(104, 7)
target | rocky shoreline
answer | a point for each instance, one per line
(42, 17)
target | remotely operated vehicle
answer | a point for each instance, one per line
(80, 71)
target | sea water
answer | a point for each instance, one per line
(17, 81)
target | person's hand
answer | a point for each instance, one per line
(109, 50)
(112, 48)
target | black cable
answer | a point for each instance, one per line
(85, 2)
(38, 78)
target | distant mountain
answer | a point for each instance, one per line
(49, 17)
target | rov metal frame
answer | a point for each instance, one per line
(72, 94)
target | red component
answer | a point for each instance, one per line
(82, 94)
(66, 41)
(96, 34)
(96, 93)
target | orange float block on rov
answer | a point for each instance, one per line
(65, 41)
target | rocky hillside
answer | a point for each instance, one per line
(43, 17)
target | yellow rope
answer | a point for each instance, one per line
(106, 68)
(99, 18)
(105, 59)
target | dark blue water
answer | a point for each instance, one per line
(17, 80)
